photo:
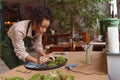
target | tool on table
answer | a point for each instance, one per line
(24, 71)
(71, 66)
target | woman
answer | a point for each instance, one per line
(25, 34)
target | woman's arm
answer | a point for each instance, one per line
(31, 59)
(42, 53)
(39, 60)
(38, 46)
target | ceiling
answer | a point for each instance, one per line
(18, 1)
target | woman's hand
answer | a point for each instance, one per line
(42, 59)
(51, 57)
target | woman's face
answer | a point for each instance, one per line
(43, 27)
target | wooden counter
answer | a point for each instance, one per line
(96, 71)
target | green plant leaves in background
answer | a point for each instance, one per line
(72, 12)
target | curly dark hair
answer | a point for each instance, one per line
(39, 13)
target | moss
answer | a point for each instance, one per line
(58, 61)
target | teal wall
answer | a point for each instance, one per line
(0, 4)
(1, 21)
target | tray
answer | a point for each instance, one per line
(44, 66)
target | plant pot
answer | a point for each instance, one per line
(110, 22)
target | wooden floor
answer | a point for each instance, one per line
(3, 67)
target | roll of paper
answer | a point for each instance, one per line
(113, 39)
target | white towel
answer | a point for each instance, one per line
(113, 39)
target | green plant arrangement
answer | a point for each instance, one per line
(12, 78)
(77, 13)
(54, 75)
(58, 61)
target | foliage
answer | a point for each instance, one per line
(58, 61)
(78, 13)
(54, 75)
(36, 77)
(12, 78)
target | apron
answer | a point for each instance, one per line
(7, 51)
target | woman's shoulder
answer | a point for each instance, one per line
(24, 22)
(20, 26)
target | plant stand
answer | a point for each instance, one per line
(113, 63)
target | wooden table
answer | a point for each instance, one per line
(97, 70)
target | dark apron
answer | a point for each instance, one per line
(7, 51)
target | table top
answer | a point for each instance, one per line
(96, 71)
(97, 43)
